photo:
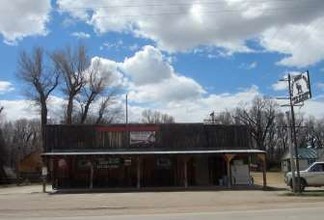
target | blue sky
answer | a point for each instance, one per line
(181, 57)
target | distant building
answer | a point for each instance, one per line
(29, 168)
(306, 156)
(149, 155)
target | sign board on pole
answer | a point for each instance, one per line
(300, 88)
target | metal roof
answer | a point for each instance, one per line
(70, 153)
(304, 153)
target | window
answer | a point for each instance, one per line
(317, 168)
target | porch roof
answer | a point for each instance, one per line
(152, 152)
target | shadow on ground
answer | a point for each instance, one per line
(165, 189)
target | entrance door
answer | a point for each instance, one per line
(62, 177)
(202, 170)
(217, 170)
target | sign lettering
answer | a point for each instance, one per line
(300, 88)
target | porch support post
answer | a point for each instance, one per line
(185, 172)
(91, 174)
(229, 158)
(138, 185)
(44, 172)
(262, 157)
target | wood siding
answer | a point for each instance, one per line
(166, 137)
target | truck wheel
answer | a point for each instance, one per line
(291, 185)
(302, 185)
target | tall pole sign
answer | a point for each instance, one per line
(300, 88)
(299, 91)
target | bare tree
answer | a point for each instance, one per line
(3, 175)
(260, 119)
(72, 64)
(7, 128)
(301, 130)
(108, 115)
(225, 118)
(281, 137)
(1, 115)
(97, 84)
(314, 132)
(156, 117)
(41, 80)
(85, 82)
(103, 109)
(318, 134)
(22, 138)
(26, 136)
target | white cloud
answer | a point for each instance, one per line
(196, 110)
(175, 89)
(249, 66)
(18, 109)
(313, 107)
(22, 108)
(162, 89)
(292, 28)
(280, 86)
(81, 35)
(155, 80)
(253, 65)
(147, 66)
(320, 86)
(298, 42)
(23, 18)
(113, 45)
(110, 71)
(133, 47)
(5, 87)
(183, 111)
(165, 90)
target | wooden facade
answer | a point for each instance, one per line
(145, 155)
(166, 137)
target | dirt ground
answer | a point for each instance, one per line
(274, 179)
(29, 201)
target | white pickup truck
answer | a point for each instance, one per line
(312, 176)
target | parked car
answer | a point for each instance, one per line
(312, 176)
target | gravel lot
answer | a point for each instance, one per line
(29, 201)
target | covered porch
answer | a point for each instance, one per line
(153, 169)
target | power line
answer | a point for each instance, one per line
(162, 13)
(134, 4)
(171, 9)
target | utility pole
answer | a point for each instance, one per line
(293, 124)
(291, 153)
(299, 90)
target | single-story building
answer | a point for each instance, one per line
(149, 155)
(306, 156)
(29, 168)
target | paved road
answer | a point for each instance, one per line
(29, 203)
(309, 213)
